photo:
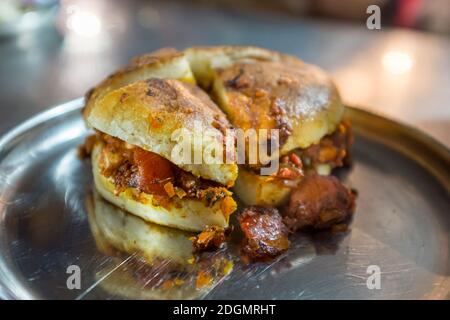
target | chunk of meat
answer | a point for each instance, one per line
(318, 202)
(192, 184)
(188, 182)
(265, 235)
(210, 239)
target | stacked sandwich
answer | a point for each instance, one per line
(261, 89)
(138, 112)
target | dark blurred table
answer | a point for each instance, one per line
(400, 73)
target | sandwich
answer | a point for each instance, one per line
(262, 89)
(141, 115)
(142, 112)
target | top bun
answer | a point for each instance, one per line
(256, 88)
(163, 63)
(263, 89)
(156, 115)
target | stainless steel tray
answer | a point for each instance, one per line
(401, 225)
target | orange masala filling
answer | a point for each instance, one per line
(332, 150)
(129, 166)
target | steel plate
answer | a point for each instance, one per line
(401, 225)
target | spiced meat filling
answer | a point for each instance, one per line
(133, 167)
(332, 151)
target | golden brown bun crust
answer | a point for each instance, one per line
(147, 113)
(163, 63)
(255, 87)
(259, 88)
(204, 60)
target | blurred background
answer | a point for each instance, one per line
(54, 51)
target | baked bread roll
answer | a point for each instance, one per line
(133, 162)
(238, 87)
(152, 261)
(263, 89)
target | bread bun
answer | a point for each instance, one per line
(144, 103)
(263, 89)
(149, 113)
(152, 261)
(163, 63)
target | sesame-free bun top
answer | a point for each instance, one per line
(163, 63)
(255, 88)
(263, 89)
(156, 114)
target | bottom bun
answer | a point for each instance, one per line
(116, 231)
(149, 261)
